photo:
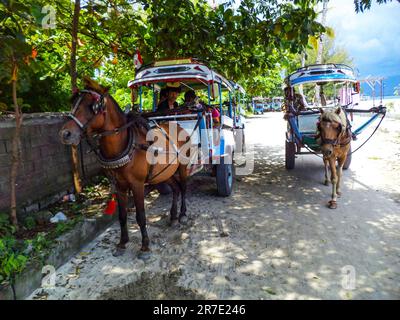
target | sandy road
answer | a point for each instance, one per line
(282, 241)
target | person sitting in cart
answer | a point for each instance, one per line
(299, 101)
(163, 96)
(170, 103)
(192, 100)
(190, 97)
(322, 97)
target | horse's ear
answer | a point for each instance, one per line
(87, 82)
(91, 84)
(338, 110)
(321, 110)
(106, 89)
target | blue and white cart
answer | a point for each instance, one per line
(213, 136)
(302, 119)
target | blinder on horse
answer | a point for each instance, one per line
(96, 107)
(333, 142)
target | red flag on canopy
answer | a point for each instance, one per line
(137, 58)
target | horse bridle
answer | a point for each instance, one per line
(99, 107)
(333, 142)
(96, 107)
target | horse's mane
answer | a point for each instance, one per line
(332, 116)
(137, 120)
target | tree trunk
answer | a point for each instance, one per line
(321, 48)
(303, 63)
(16, 147)
(73, 73)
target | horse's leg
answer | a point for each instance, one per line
(138, 197)
(122, 198)
(341, 162)
(326, 163)
(182, 183)
(332, 165)
(175, 194)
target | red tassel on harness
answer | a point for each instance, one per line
(111, 205)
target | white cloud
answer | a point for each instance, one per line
(372, 38)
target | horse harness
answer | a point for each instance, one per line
(343, 139)
(126, 156)
(98, 107)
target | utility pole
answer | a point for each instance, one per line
(321, 47)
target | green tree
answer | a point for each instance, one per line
(241, 43)
(397, 90)
(15, 54)
(362, 5)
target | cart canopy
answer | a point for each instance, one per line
(321, 73)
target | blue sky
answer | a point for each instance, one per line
(372, 38)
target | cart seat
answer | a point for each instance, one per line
(307, 123)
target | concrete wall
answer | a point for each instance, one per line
(44, 174)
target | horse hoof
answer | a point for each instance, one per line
(183, 220)
(332, 204)
(118, 252)
(326, 183)
(144, 255)
(174, 223)
(339, 194)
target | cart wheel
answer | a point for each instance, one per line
(225, 173)
(290, 149)
(348, 160)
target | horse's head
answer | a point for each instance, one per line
(330, 129)
(88, 113)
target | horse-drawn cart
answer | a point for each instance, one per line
(210, 125)
(341, 86)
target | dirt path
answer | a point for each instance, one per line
(273, 239)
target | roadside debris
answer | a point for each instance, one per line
(59, 217)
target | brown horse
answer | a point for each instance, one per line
(334, 138)
(122, 148)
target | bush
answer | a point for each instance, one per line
(30, 223)
(6, 228)
(11, 261)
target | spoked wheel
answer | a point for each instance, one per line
(225, 174)
(348, 160)
(290, 150)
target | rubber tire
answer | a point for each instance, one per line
(346, 164)
(225, 177)
(290, 158)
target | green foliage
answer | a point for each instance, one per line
(30, 223)
(40, 243)
(253, 40)
(6, 228)
(61, 228)
(11, 262)
(362, 5)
